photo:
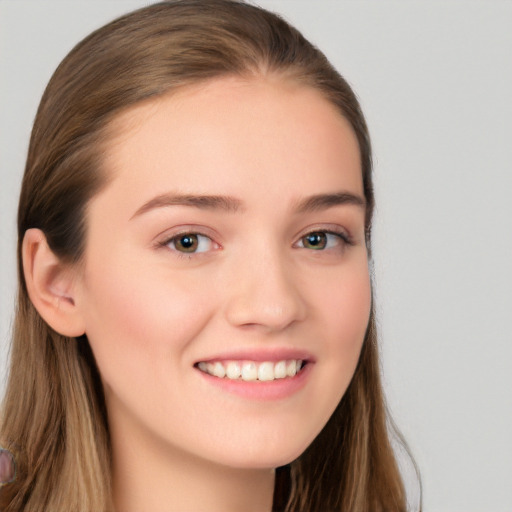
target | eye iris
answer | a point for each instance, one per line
(187, 243)
(315, 241)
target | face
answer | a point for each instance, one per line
(225, 289)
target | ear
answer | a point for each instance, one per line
(51, 285)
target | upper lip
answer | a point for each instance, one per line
(266, 354)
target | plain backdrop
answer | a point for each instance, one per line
(435, 82)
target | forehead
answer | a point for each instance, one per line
(230, 134)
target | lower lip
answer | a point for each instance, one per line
(261, 390)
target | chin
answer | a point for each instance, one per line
(263, 457)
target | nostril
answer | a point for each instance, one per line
(273, 311)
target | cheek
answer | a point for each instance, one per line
(347, 302)
(347, 312)
(136, 317)
(342, 312)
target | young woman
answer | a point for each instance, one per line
(195, 326)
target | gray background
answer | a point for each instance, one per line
(434, 79)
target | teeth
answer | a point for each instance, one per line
(280, 370)
(219, 370)
(291, 368)
(251, 370)
(266, 371)
(233, 370)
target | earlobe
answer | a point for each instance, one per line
(51, 285)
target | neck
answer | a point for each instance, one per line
(170, 480)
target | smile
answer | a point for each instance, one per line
(252, 370)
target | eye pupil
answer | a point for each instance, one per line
(187, 243)
(315, 241)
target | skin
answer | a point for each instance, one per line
(7, 468)
(151, 313)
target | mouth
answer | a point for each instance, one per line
(250, 371)
(260, 374)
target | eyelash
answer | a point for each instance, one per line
(174, 238)
(343, 237)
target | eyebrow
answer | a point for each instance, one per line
(324, 201)
(230, 204)
(203, 202)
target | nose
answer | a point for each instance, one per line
(264, 292)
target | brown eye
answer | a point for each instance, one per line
(190, 243)
(316, 241)
(186, 243)
(324, 240)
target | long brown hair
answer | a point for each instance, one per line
(54, 417)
